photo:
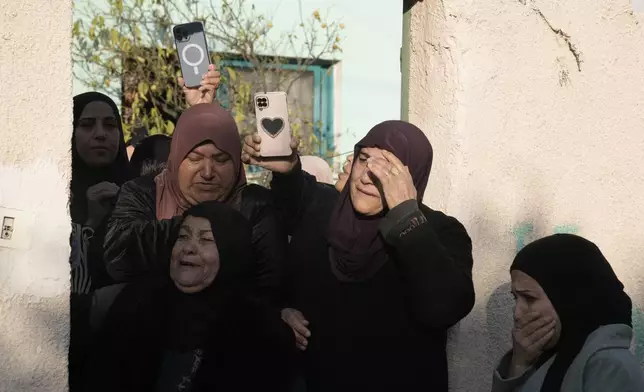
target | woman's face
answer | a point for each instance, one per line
(530, 297)
(97, 135)
(207, 173)
(366, 195)
(195, 257)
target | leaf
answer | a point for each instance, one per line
(232, 75)
(114, 37)
(169, 128)
(168, 95)
(143, 89)
(76, 28)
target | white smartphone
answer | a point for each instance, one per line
(271, 111)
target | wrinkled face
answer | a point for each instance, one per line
(97, 135)
(195, 257)
(364, 189)
(207, 173)
(530, 297)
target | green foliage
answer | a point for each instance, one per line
(127, 49)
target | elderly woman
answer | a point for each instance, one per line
(573, 326)
(374, 277)
(195, 329)
(204, 164)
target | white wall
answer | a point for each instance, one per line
(35, 131)
(526, 144)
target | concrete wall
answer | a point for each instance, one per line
(536, 113)
(35, 131)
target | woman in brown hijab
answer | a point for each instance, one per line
(374, 277)
(204, 164)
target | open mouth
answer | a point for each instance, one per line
(184, 263)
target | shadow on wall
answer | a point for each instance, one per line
(25, 320)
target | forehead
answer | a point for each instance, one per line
(207, 148)
(97, 109)
(196, 223)
(522, 281)
(371, 152)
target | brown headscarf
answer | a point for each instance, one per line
(357, 249)
(200, 123)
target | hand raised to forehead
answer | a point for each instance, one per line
(394, 177)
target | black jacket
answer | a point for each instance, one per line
(387, 333)
(136, 240)
(250, 349)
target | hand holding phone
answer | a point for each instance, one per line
(192, 49)
(273, 126)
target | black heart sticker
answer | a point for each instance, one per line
(273, 126)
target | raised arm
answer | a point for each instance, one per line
(135, 242)
(433, 253)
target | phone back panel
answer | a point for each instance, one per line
(271, 111)
(192, 50)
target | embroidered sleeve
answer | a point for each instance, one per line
(81, 278)
(401, 220)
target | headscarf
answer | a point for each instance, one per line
(153, 149)
(356, 248)
(317, 167)
(184, 321)
(583, 289)
(84, 176)
(200, 123)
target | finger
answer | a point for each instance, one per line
(250, 151)
(350, 158)
(378, 169)
(181, 82)
(295, 143)
(211, 67)
(301, 340)
(256, 139)
(540, 331)
(391, 158)
(301, 329)
(540, 343)
(537, 324)
(526, 319)
(300, 347)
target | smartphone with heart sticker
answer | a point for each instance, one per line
(271, 111)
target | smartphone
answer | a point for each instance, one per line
(271, 111)
(192, 49)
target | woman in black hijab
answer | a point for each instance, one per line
(374, 277)
(573, 326)
(196, 329)
(99, 167)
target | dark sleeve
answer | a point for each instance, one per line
(136, 242)
(295, 193)
(434, 257)
(269, 243)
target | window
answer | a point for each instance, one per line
(310, 98)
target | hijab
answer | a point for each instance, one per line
(183, 322)
(317, 167)
(356, 248)
(152, 150)
(205, 122)
(84, 176)
(583, 289)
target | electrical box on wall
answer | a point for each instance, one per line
(15, 228)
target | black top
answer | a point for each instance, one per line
(250, 349)
(135, 238)
(387, 333)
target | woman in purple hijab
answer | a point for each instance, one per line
(374, 277)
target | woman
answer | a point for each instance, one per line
(204, 164)
(151, 155)
(99, 167)
(195, 329)
(572, 322)
(374, 278)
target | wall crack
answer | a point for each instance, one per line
(562, 34)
